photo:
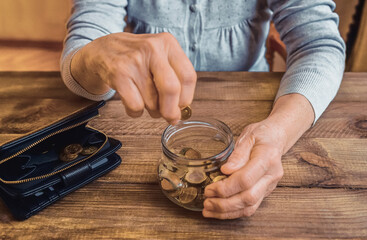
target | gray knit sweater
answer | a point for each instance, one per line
(225, 35)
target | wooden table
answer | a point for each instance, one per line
(323, 193)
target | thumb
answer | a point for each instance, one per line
(240, 154)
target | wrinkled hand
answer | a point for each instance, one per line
(254, 167)
(147, 70)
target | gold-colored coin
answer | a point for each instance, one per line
(195, 176)
(68, 157)
(188, 195)
(212, 175)
(175, 193)
(186, 113)
(88, 150)
(171, 178)
(190, 153)
(166, 185)
(73, 149)
(219, 178)
(180, 172)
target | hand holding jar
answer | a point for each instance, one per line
(255, 165)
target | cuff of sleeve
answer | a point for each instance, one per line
(74, 86)
(318, 89)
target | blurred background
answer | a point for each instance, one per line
(32, 31)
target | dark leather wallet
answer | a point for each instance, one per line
(42, 167)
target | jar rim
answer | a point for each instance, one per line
(206, 121)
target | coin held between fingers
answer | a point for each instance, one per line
(186, 113)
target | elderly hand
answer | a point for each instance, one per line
(255, 164)
(254, 167)
(147, 70)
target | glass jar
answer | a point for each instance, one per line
(193, 152)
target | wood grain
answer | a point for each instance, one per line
(21, 116)
(211, 86)
(323, 193)
(340, 120)
(108, 211)
(312, 162)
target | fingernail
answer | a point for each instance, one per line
(230, 164)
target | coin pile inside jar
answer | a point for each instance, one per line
(185, 186)
(72, 151)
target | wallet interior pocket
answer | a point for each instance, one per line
(44, 158)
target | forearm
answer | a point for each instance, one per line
(90, 19)
(87, 79)
(292, 115)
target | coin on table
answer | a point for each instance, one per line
(188, 195)
(88, 150)
(190, 153)
(195, 176)
(219, 178)
(73, 149)
(186, 113)
(68, 157)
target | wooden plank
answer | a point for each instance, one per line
(310, 163)
(341, 120)
(107, 211)
(33, 85)
(210, 86)
(22, 116)
(316, 162)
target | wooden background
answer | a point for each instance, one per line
(323, 193)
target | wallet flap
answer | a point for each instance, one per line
(84, 114)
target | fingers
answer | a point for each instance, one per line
(131, 98)
(184, 71)
(243, 204)
(241, 180)
(169, 88)
(243, 199)
(245, 212)
(241, 153)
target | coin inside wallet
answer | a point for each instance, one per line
(44, 157)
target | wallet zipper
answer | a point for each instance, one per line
(43, 139)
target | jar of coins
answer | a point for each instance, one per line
(193, 152)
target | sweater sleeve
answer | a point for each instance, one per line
(90, 19)
(316, 52)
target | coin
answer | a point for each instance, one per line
(73, 149)
(219, 178)
(88, 150)
(68, 157)
(171, 178)
(175, 193)
(195, 176)
(186, 113)
(188, 195)
(212, 175)
(190, 153)
(166, 185)
(180, 172)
